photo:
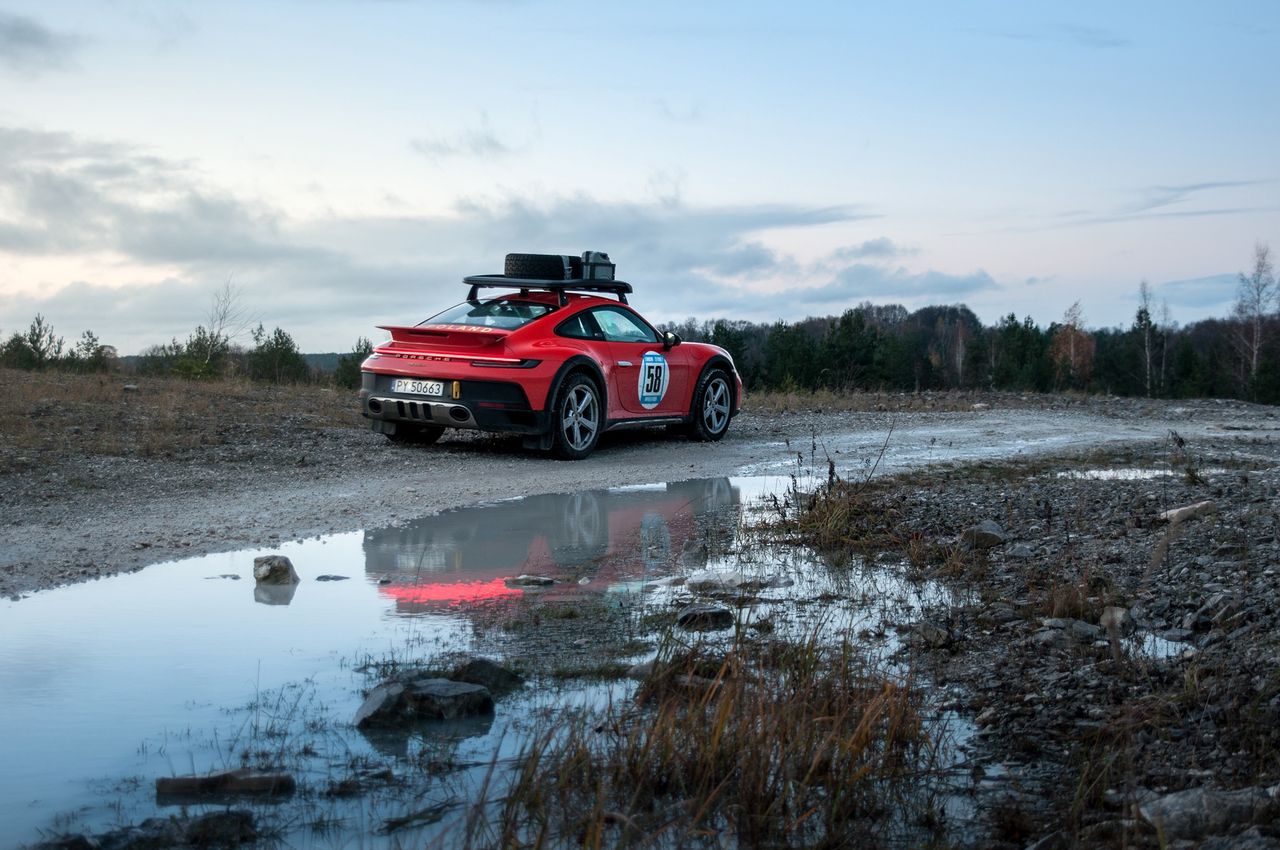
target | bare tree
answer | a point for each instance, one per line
(227, 318)
(1166, 330)
(1142, 324)
(1253, 302)
(1072, 349)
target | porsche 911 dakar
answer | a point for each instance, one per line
(555, 353)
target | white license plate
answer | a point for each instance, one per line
(405, 385)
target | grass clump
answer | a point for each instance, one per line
(767, 744)
(839, 518)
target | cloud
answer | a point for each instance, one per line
(1078, 35)
(69, 198)
(664, 238)
(173, 240)
(880, 248)
(1092, 37)
(851, 286)
(1165, 201)
(867, 281)
(667, 186)
(479, 142)
(1212, 294)
(28, 47)
(1158, 197)
(692, 113)
(60, 194)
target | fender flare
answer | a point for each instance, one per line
(579, 362)
(576, 363)
(721, 362)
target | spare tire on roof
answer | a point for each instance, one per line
(543, 266)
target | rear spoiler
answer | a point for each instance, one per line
(481, 334)
(560, 287)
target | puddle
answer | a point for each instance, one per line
(187, 667)
(1132, 474)
(1155, 648)
(952, 438)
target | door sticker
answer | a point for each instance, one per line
(655, 375)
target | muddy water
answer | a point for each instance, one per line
(188, 667)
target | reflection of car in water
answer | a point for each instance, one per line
(603, 535)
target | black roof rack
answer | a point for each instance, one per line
(619, 288)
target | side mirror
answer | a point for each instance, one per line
(670, 340)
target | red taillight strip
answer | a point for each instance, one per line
(435, 355)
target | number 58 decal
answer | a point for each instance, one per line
(655, 375)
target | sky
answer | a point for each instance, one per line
(344, 163)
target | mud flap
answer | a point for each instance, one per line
(538, 442)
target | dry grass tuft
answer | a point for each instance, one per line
(90, 415)
(767, 745)
(839, 518)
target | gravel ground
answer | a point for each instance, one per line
(1121, 670)
(251, 475)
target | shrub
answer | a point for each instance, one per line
(348, 372)
(275, 358)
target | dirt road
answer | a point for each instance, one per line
(73, 518)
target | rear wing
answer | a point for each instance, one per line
(560, 287)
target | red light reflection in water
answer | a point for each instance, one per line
(454, 593)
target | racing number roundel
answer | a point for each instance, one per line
(655, 375)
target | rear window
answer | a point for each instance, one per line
(505, 313)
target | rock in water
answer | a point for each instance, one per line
(483, 672)
(274, 569)
(530, 581)
(392, 703)
(705, 617)
(236, 782)
(930, 636)
(274, 594)
(711, 580)
(381, 707)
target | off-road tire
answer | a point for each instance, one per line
(542, 266)
(577, 418)
(417, 435)
(712, 406)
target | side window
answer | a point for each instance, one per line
(578, 326)
(622, 326)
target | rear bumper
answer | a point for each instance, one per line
(467, 404)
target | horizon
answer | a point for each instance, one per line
(347, 163)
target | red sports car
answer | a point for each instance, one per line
(558, 356)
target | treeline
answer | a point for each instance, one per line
(885, 347)
(273, 358)
(205, 354)
(39, 347)
(869, 347)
